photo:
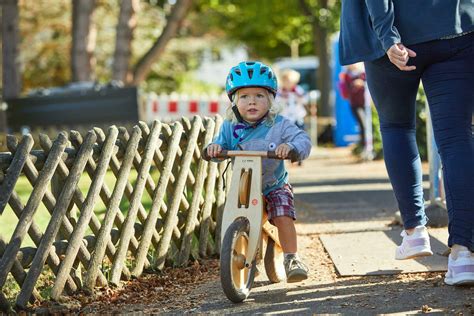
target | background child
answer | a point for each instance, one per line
(292, 97)
(253, 124)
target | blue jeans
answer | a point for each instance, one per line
(446, 68)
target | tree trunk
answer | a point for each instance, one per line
(10, 40)
(179, 11)
(320, 44)
(126, 25)
(321, 48)
(11, 77)
(83, 40)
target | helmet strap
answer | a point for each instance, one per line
(237, 114)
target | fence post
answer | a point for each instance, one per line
(435, 208)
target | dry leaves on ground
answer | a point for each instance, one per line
(156, 292)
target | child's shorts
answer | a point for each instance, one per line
(280, 203)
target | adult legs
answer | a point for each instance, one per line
(394, 93)
(449, 86)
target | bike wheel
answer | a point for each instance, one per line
(236, 279)
(273, 262)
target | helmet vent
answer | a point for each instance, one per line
(250, 72)
(262, 70)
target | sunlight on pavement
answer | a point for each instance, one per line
(347, 188)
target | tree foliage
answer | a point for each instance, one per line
(45, 28)
(267, 28)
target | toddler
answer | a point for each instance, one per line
(252, 123)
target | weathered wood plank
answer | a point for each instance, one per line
(60, 209)
(127, 228)
(49, 201)
(14, 170)
(209, 198)
(18, 273)
(105, 194)
(194, 209)
(114, 208)
(26, 254)
(75, 241)
(38, 157)
(150, 185)
(142, 213)
(171, 216)
(31, 206)
(76, 140)
(36, 235)
(5, 304)
(157, 201)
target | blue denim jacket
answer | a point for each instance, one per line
(266, 137)
(370, 27)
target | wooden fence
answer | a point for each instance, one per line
(84, 247)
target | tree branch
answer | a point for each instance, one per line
(179, 11)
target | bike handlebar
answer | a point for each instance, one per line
(225, 154)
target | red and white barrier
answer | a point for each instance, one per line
(172, 107)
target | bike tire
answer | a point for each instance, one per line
(236, 281)
(273, 262)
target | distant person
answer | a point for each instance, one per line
(352, 87)
(292, 97)
(403, 43)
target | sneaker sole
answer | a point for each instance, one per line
(461, 279)
(416, 253)
(297, 277)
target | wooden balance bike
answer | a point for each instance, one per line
(246, 233)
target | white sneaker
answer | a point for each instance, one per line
(461, 269)
(414, 245)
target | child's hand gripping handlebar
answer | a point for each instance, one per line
(225, 154)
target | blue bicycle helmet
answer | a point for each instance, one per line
(250, 74)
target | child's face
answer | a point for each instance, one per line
(287, 84)
(253, 103)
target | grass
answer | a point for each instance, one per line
(9, 221)
(42, 217)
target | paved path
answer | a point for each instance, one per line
(336, 194)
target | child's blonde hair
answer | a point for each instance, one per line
(273, 110)
(291, 75)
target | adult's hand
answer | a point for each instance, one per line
(399, 56)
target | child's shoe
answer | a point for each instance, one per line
(414, 245)
(461, 269)
(295, 269)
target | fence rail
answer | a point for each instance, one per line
(162, 205)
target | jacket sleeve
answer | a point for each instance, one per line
(297, 139)
(382, 16)
(223, 137)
